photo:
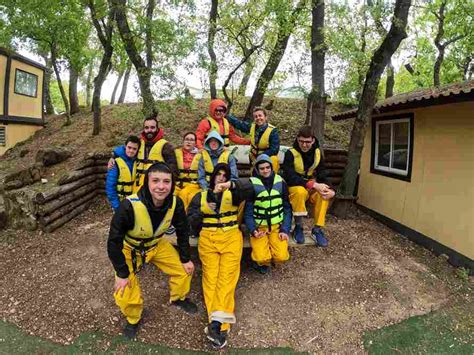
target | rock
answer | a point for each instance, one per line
(52, 156)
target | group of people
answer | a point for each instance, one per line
(152, 186)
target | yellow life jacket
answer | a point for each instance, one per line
(263, 144)
(155, 155)
(215, 127)
(209, 166)
(142, 238)
(225, 219)
(187, 175)
(126, 178)
(299, 164)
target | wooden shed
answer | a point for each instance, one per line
(21, 98)
(417, 168)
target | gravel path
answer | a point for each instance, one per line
(59, 285)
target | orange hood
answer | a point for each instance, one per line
(215, 104)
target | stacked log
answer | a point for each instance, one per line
(74, 193)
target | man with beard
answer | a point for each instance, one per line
(304, 172)
(153, 149)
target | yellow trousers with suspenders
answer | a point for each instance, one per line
(269, 247)
(187, 192)
(166, 258)
(298, 197)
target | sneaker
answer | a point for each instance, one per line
(318, 236)
(130, 331)
(186, 305)
(298, 235)
(213, 333)
(263, 269)
(170, 230)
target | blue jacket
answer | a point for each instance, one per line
(285, 226)
(112, 177)
(244, 126)
(234, 172)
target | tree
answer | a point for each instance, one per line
(286, 23)
(378, 63)
(210, 48)
(123, 92)
(103, 20)
(317, 98)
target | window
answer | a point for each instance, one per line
(392, 146)
(3, 139)
(25, 83)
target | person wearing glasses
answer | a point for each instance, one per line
(304, 172)
(268, 216)
(187, 158)
(216, 121)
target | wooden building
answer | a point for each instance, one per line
(21, 98)
(417, 168)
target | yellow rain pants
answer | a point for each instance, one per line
(269, 247)
(275, 163)
(298, 197)
(166, 258)
(220, 253)
(187, 192)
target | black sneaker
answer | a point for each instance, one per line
(170, 230)
(130, 331)
(263, 269)
(213, 332)
(186, 305)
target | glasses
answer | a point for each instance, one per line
(219, 110)
(305, 142)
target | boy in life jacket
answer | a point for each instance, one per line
(213, 215)
(213, 153)
(136, 238)
(264, 138)
(187, 158)
(268, 216)
(304, 172)
(121, 177)
(216, 121)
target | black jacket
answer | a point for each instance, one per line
(241, 191)
(124, 220)
(288, 166)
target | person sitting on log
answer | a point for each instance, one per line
(264, 138)
(187, 158)
(121, 177)
(213, 153)
(213, 216)
(216, 121)
(304, 172)
(136, 238)
(268, 216)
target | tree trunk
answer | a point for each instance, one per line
(246, 77)
(60, 84)
(378, 63)
(48, 103)
(317, 98)
(143, 72)
(98, 82)
(390, 80)
(73, 99)
(117, 83)
(89, 84)
(276, 55)
(210, 48)
(125, 83)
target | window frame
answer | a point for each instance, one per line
(20, 93)
(392, 172)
